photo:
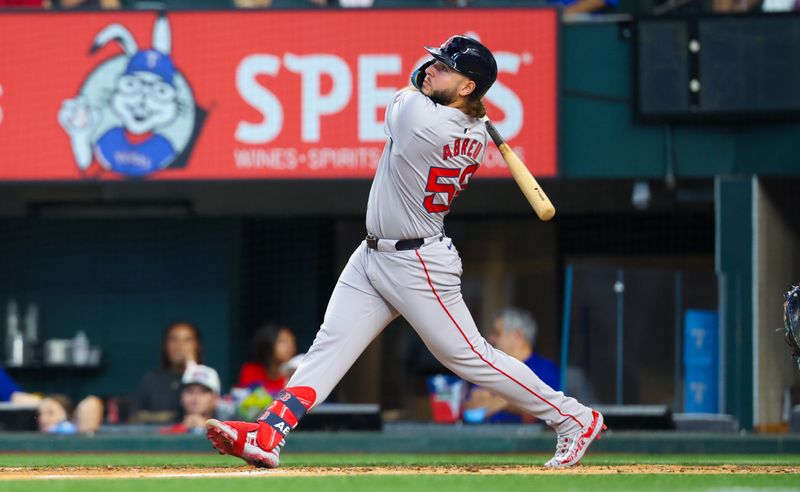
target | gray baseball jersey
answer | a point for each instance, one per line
(432, 152)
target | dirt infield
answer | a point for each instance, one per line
(110, 472)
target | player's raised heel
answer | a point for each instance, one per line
(570, 448)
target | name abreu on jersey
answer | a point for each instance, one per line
(469, 147)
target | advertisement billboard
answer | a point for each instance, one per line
(248, 95)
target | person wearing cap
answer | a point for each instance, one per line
(200, 395)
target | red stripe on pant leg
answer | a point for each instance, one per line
(479, 355)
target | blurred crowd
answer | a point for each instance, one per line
(569, 7)
(180, 394)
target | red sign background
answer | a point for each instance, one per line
(45, 59)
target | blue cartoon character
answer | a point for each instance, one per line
(135, 114)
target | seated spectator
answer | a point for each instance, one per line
(252, 4)
(8, 388)
(780, 5)
(572, 7)
(272, 346)
(55, 412)
(25, 4)
(200, 395)
(88, 414)
(513, 332)
(734, 6)
(56, 415)
(62, 4)
(86, 4)
(157, 398)
(282, 4)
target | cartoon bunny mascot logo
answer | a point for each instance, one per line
(135, 113)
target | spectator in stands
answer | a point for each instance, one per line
(252, 4)
(271, 347)
(62, 4)
(513, 332)
(56, 415)
(88, 414)
(86, 4)
(157, 398)
(11, 392)
(263, 4)
(572, 7)
(734, 6)
(25, 4)
(172, 5)
(8, 388)
(780, 5)
(200, 395)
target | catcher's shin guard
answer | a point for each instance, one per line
(283, 415)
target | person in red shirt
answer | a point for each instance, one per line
(25, 4)
(272, 346)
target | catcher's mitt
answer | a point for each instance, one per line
(791, 321)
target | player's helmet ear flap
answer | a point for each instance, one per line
(470, 58)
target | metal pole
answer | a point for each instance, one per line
(619, 289)
(678, 341)
(565, 326)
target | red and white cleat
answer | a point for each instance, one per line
(259, 443)
(240, 439)
(570, 448)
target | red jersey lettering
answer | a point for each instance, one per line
(446, 152)
(434, 186)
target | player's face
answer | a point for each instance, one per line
(181, 345)
(285, 346)
(443, 84)
(198, 400)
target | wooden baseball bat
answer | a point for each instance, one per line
(527, 183)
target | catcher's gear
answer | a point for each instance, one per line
(419, 74)
(470, 58)
(791, 321)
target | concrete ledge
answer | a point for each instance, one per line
(452, 440)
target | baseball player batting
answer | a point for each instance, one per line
(408, 266)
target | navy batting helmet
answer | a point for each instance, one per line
(470, 58)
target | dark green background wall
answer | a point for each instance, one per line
(122, 282)
(599, 137)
